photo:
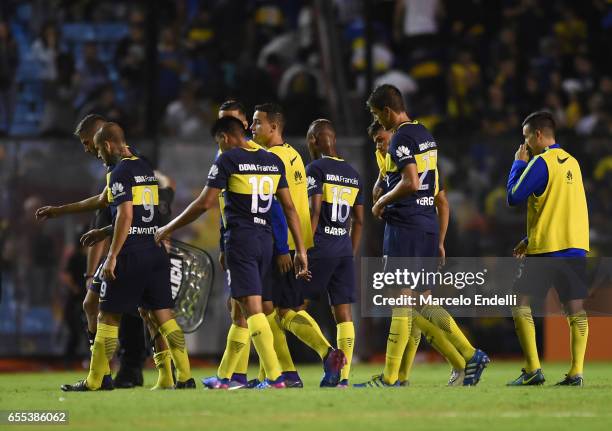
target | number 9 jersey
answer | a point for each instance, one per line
(132, 179)
(341, 189)
(250, 178)
(412, 143)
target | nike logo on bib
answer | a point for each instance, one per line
(293, 160)
(562, 160)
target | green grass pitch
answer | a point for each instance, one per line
(425, 404)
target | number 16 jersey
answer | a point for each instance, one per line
(341, 189)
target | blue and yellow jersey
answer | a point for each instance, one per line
(557, 214)
(341, 189)
(249, 179)
(132, 179)
(412, 143)
(296, 178)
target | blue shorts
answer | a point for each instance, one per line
(284, 290)
(96, 282)
(142, 279)
(568, 276)
(332, 276)
(403, 242)
(248, 254)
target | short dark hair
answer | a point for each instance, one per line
(87, 123)
(322, 123)
(233, 105)
(540, 120)
(110, 132)
(229, 125)
(274, 112)
(374, 128)
(387, 95)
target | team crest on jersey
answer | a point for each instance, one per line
(298, 176)
(117, 189)
(311, 182)
(402, 152)
(214, 171)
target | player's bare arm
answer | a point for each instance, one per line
(441, 203)
(377, 190)
(123, 223)
(208, 198)
(408, 185)
(315, 211)
(356, 227)
(94, 236)
(86, 205)
(293, 221)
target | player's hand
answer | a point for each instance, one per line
(283, 263)
(442, 256)
(377, 210)
(520, 249)
(300, 264)
(522, 153)
(45, 212)
(92, 237)
(108, 269)
(222, 261)
(161, 234)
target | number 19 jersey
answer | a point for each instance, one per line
(250, 178)
(341, 189)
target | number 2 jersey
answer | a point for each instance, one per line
(413, 143)
(132, 179)
(341, 189)
(249, 178)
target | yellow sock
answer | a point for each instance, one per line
(303, 326)
(163, 363)
(107, 369)
(176, 341)
(103, 349)
(262, 372)
(242, 366)
(399, 331)
(280, 343)
(409, 353)
(237, 342)
(525, 330)
(579, 334)
(262, 337)
(438, 340)
(440, 317)
(345, 337)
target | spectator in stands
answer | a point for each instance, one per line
(45, 50)
(171, 67)
(186, 117)
(58, 117)
(104, 103)
(8, 66)
(130, 57)
(92, 74)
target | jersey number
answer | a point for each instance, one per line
(426, 157)
(340, 207)
(259, 186)
(148, 203)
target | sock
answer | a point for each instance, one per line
(346, 342)
(280, 343)
(525, 330)
(399, 331)
(440, 317)
(303, 326)
(579, 333)
(242, 366)
(237, 342)
(439, 341)
(409, 353)
(163, 363)
(262, 372)
(176, 341)
(103, 349)
(262, 337)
